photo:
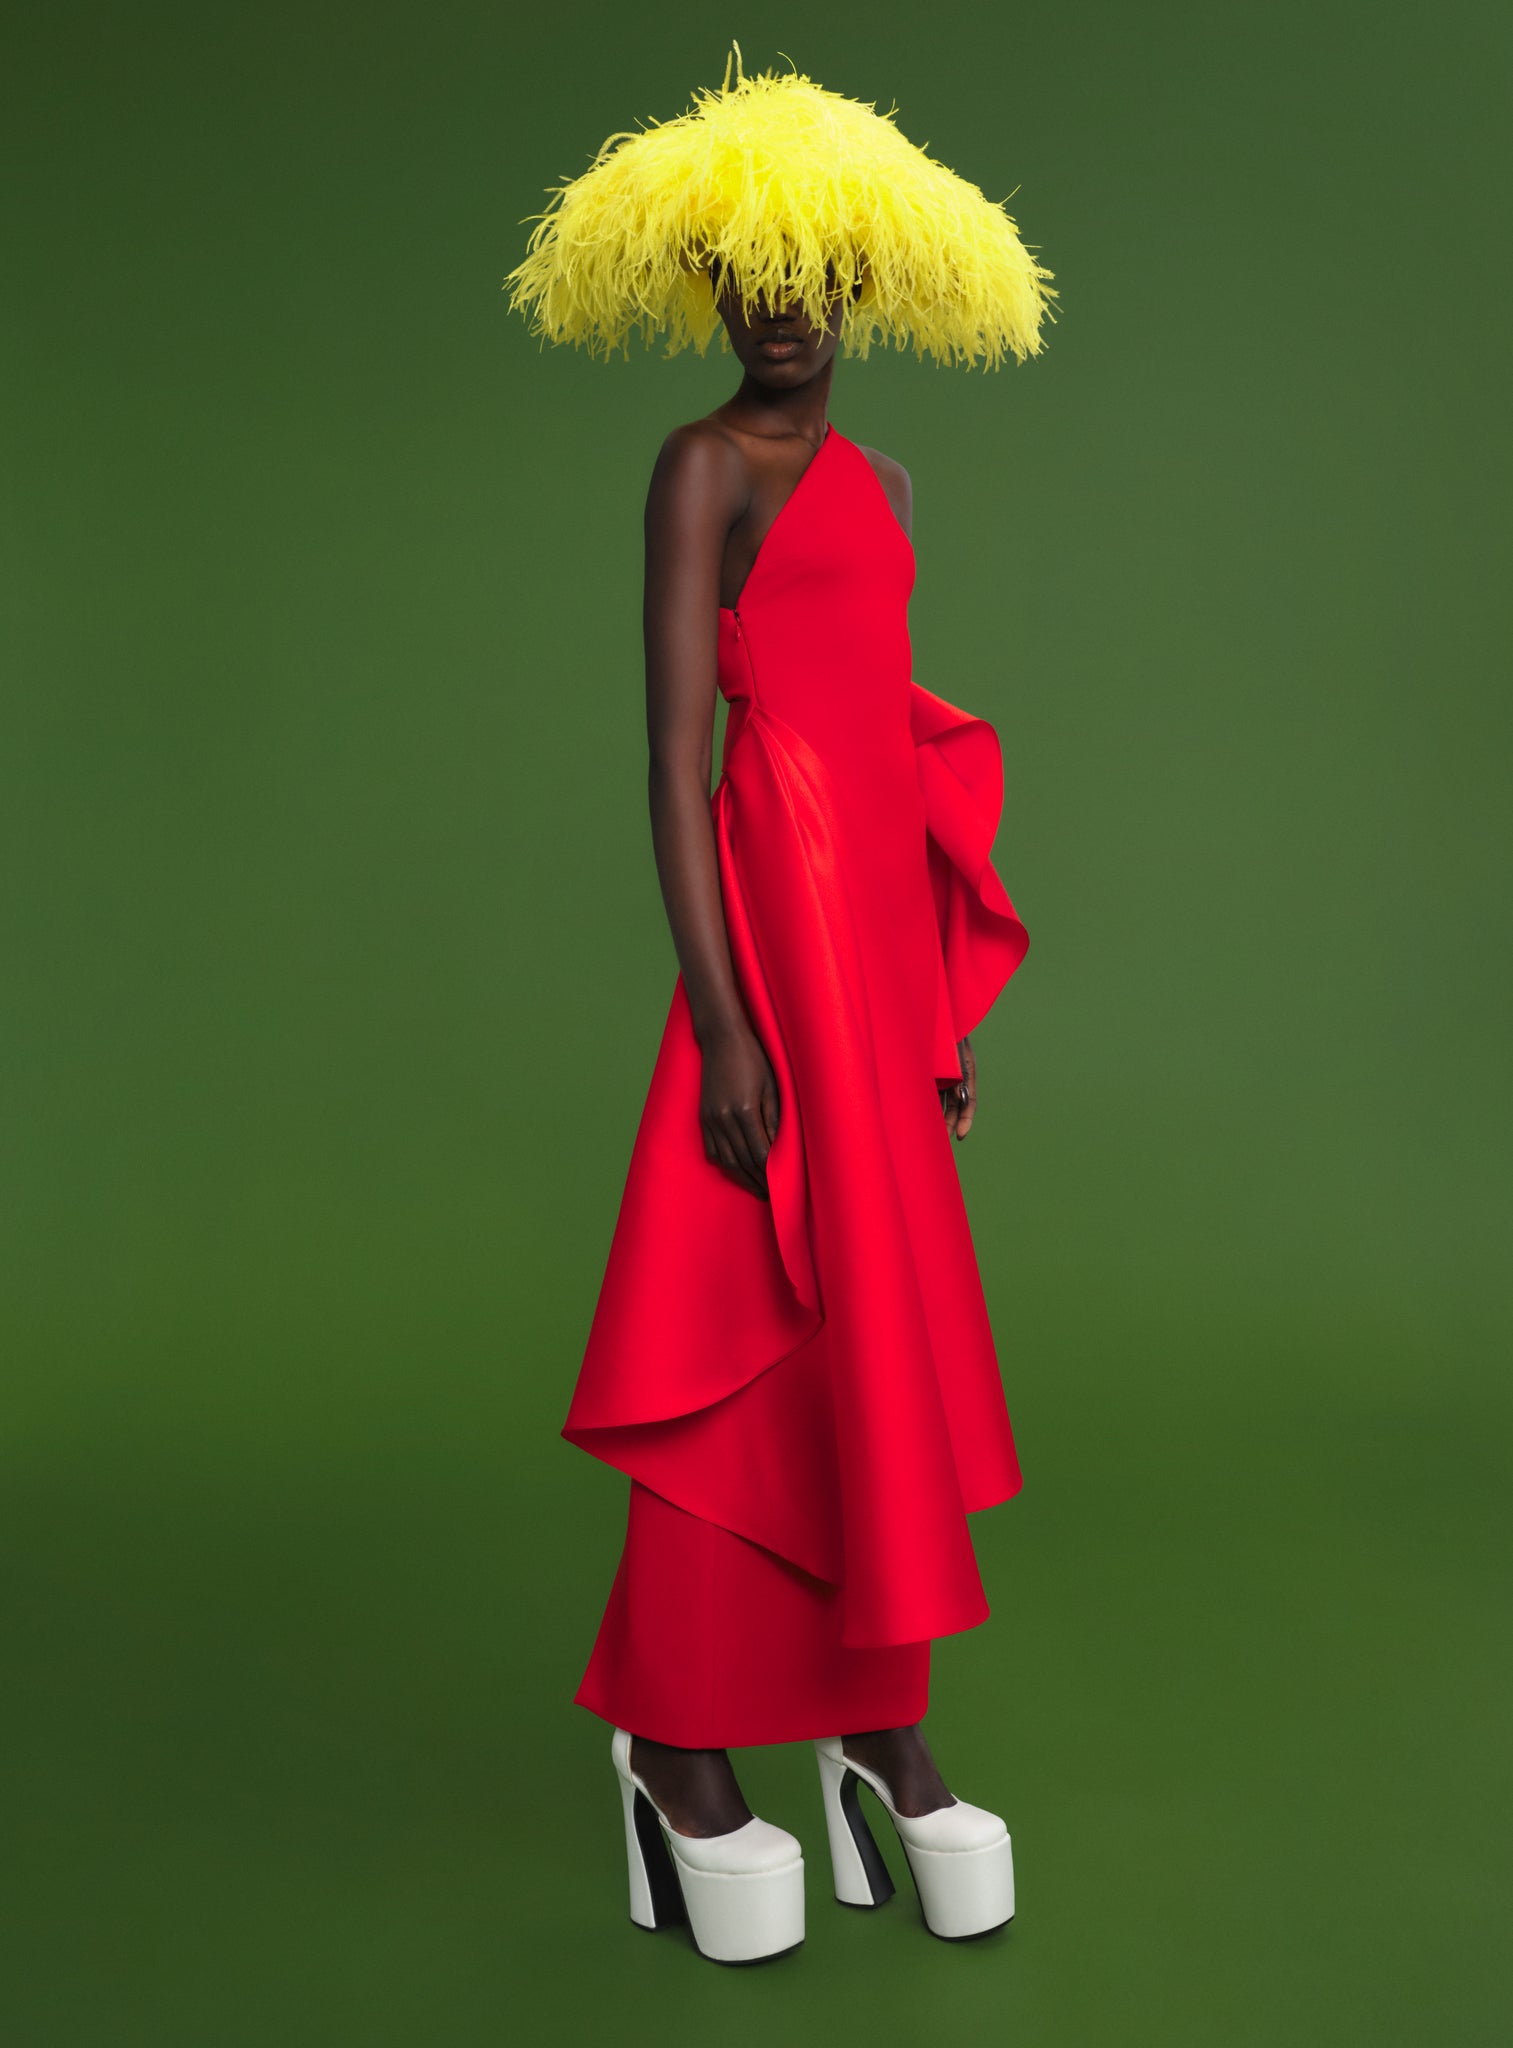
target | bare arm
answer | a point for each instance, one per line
(698, 489)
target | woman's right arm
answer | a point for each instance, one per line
(698, 490)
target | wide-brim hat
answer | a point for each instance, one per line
(798, 194)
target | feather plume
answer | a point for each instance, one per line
(778, 178)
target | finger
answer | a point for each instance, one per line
(756, 1141)
(967, 1111)
(735, 1126)
(770, 1108)
(734, 1130)
(731, 1165)
(734, 1167)
(968, 1087)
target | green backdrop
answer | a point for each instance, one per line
(334, 969)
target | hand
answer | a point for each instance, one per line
(738, 1109)
(959, 1101)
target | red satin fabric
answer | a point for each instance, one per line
(711, 1642)
(816, 1373)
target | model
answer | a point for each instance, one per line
(791, 1355)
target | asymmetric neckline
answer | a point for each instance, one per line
(782, 510)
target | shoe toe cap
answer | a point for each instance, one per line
(960, 1828)
(747, 1851)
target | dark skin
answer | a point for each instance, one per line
(717, 487)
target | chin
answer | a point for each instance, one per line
(797, 370)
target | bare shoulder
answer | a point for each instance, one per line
(698, 458)
(895, 480)
(889, 470)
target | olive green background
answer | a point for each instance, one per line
(334, 967)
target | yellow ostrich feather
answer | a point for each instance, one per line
(777, 178)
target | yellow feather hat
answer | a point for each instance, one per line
(777, 178)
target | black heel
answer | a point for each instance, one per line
(667, 1905)
(959, 1856)
(879, 1883)
(741, 1893)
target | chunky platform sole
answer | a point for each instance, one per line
(962, 1892)
(733, 1916)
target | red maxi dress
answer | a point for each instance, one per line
(804, 1391)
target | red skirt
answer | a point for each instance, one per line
(711, 1642)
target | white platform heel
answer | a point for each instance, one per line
(741, 1893)
(960, 1856)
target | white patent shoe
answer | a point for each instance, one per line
(960, 1856)
(742, 1893)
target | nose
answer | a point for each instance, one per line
(787, 305)
(783, 307)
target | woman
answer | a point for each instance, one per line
(790, 1354)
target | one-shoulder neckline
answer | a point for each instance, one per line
(829, 436)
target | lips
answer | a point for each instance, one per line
(779, 350)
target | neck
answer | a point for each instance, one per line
(758, 408)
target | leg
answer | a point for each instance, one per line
(695, 1788)
(901, 1757)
